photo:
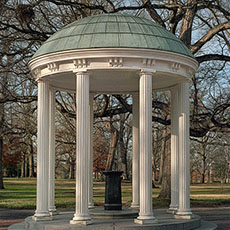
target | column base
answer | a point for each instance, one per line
(183, 215)
(135, 205)
(152, 220)
(81, 222)
(42, 218)
(53, 212)
(91, 206)
(172, 209)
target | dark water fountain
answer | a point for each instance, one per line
(113, 190)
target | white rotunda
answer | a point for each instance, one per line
(117, 54)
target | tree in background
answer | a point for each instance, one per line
(100, 151)
(12, 157)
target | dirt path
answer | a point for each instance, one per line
(220, 216)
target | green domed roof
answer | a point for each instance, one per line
(113, 31)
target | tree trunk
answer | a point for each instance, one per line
(26, 165)
(1, 166)
(112, 148)
(124, 163)
(166, 179)
(123, 150)
(22, 170)
(31, 165)
(162, 156)
(23, 166)
(31, 160)
(2, 95)
(154, 172)
(71, 171)
(203, 165)
(227, 157)
(209, 176)
(202, 177)
(187, 22)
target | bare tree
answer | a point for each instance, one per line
(202, 25)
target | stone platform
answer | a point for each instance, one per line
(166, 221)
(100, 213)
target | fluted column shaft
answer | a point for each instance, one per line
(81, 215)
(51, 186)
(90, 152)
(174, 151)
(136, 154)
(145, 214)
(184, 210)
(42, 212)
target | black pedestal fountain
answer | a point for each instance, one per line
(113, 190)
(113, 201)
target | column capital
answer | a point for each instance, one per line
(174, 88)
(146, 72)
(42, 80)
(82, 72)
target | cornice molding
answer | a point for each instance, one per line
(56, 65)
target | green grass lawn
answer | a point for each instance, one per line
(21, 194)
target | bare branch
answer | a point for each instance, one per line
(207, 37)
(212, 57)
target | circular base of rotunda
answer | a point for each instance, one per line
(166, 221)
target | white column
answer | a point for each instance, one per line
(145, 214)
(51, 186)
(81, 215)
(174, 151)
(42, 212)
(136, 154)
(184, 211)
(90, 152)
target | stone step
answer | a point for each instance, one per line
(205, 225)
(18, 226)
(165, 222)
